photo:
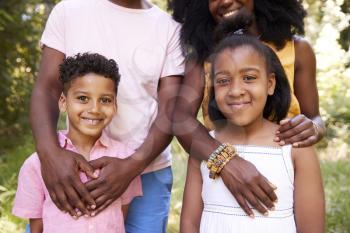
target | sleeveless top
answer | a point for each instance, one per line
(222, 213)
(287, 58)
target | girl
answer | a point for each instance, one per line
(250, 92)
(276, 23)
(90, 84)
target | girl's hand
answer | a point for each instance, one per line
(299, 131)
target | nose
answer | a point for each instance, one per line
(94, 106)
(236, 89)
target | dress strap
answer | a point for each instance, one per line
(288, 162)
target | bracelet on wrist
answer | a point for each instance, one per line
(219, 158)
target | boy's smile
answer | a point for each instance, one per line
(90, 105)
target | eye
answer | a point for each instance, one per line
(249, 78)
(82, 98)
(106, 100)
(222, 81)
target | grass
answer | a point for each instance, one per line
(335, 174)
(10, 162)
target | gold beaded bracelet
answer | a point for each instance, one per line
(219, 158)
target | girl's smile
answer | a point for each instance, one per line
(242, 84)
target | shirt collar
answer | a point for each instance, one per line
(64, 141)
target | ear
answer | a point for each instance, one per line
(115, 106)
(62, 103)
(271, 83)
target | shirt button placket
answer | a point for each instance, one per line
(91, 228)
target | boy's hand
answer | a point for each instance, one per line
(247, 184)
(114, 178)
(61, 177)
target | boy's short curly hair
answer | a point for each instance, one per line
(85, 63)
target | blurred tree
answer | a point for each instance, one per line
(345, 34)
(324, 27)
(21, 23)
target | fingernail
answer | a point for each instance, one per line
(86, 215)
(75, 217)
(93, 207)
(273, 208)
(282, 143)
(295, 144)
(276, 139)
(95, 174)
(251, 215)
(272, 185)
(79, 213)
(266, 213)
(277, 132)
(93, 214)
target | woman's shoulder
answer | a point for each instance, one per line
(301, 43)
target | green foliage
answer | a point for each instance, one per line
(323, 29)
(10, 162)
(21, 24)
(337, 188)
(344, 39)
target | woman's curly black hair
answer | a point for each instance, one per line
(277, 22)
(82, 64)
(277, 105)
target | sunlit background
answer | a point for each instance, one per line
(327, 29)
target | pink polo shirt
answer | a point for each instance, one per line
(144, 42)
(33, 201)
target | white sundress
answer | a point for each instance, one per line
(222, 214)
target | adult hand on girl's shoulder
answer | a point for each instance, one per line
(114, 178)
(62, 180)
(300, 131)
(247, 184)
(307, 128)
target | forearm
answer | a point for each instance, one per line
(189, 227)
(193, 136)
(44, 124)
(155, 143)
(44, 111)
(36, 225)
(160, 133)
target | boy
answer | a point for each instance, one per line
(145, 42)
(90, 84)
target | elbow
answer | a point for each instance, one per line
(178, 122)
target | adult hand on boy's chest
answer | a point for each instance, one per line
(114, 178)
(63, 183)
